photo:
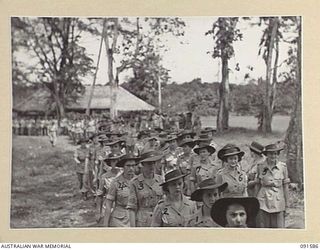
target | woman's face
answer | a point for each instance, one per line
(175, 187)
(186, 149)
(204, 153)
(210, 196)
(173, 144)
(273, 157)
(148, 168)
(236, 216)
(232, 161)
(113, 163)
(128, 167)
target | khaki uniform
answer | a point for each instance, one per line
(271, 194)
(184, 164)
(144, 196)
(166, 215)
(52, 133)
(202, 170)
(197, 220)
(237, 182)
(119, 194)
(82, 155)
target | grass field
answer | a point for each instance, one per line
(44, 191)
(279, 123)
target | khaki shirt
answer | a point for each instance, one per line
(201, 171)
(166, 215)
(81, 154)
(272, 180)
(197, 220)
(143, 197)
(237, 182)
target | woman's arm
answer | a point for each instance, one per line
(132, 217)
(109, 204)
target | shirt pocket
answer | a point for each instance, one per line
(119, 214)
(169, 220)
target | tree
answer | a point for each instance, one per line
(56, 58)
(268, 46)
(224, 33)
(148, 72)
(130, 45)
(294, 133)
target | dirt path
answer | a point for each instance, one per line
(45, 190)
(44, 186)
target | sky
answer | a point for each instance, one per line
(187, 57)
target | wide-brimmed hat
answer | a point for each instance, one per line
(188, 142)
(152, 137)
(256, 147)
(163, 135)
(203, 138)
(83, 140)
(207, 130)
(219, 209)
(170, 138)
(150, 156)
(112, 142)
(207, 184)
(113, 156)
(143, 133)
(172, 175)
(272, 148)
(229, 150)
(158, 129)
(102, 138)
(127, 157)
(206, 145)
(186, 132)
(116, 133)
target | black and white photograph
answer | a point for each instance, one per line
(157, 121)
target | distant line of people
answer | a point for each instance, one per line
(179, 178)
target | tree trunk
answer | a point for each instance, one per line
(112, 82)
(294, 133)
(267, 110)
(223, 111)
(96, 73)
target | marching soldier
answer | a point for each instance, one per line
(208, 192)
(81, 157)
(175, 209)
(273, 192)
(232, 173)
(116, 212)
(145, 191)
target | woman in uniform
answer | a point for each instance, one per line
(256, 158)
(145, 191)
(110, 172)
(208, 192)
(231, 155)
(175, 209)
(184, 162)
(203, 168)
(117, 197)
(272, 185)
(81, 157)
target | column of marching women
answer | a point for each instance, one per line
(179, 178)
